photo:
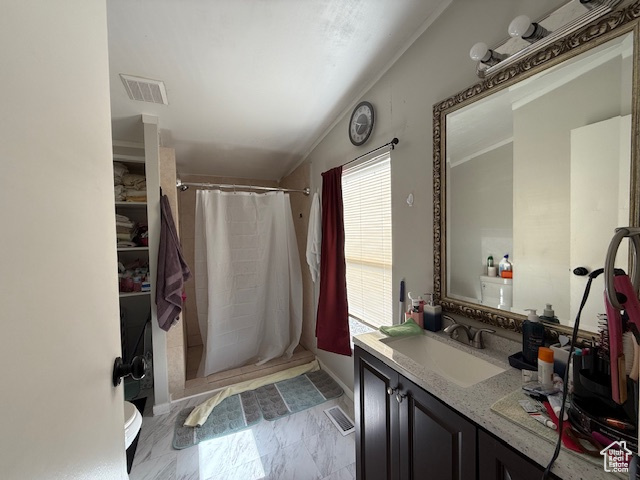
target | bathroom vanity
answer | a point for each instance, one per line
(413, 421)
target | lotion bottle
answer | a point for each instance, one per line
(545, 368)
(532, 337)
(432, 315)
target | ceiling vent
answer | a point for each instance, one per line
(145, 89)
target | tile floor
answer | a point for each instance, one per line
(302, 446)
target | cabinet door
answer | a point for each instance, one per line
(435, 441)
(497, 461)
(376, 419)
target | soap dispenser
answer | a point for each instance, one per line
(549, 315)
(432, 315)
(532, 337)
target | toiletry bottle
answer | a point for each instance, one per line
(549, 315)
(545, 367)
(432, 315)
(505, 266)
(416, 310)
(491, 269)
(532, 337)
(417, 304)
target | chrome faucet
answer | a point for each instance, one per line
(474, 337)
(452, 331)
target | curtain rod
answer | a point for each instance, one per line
(392, 143)
(185, 185)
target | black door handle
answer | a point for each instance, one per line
(136, 369)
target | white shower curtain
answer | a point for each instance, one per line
(248, 279)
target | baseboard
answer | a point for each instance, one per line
(348, 392)
(161, 409)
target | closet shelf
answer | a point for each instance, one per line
(133, 294)
(131, 204)
(132, 249)
(128, 158)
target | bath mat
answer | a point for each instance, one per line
(296, 394)
(234, 413)
(271, 402)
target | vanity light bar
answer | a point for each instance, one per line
(600, 8)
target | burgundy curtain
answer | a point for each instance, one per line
(332, 325)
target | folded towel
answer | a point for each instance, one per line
(407, 328)
(119, 170)
(139, 182)
(122, 218)
(119, 193)
(134, 195)
(123, 243)
(128, 224)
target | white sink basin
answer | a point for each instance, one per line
(449, 362)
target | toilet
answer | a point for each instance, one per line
(496, 292)
(132, 423)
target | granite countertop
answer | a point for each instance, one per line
(475, 402)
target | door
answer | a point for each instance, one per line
(435, 441)
(376, 412)
(61, 416)
(600, 169)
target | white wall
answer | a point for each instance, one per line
(481, 218)
(435, 67)
(61, 416)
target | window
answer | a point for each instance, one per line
(366, 194)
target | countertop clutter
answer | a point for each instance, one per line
(475, 402)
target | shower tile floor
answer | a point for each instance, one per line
(196, 385)
(302, 446)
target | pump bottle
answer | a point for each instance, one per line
(532, 337)
(432, 315)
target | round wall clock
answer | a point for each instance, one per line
(361, 123)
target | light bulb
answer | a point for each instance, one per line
(479, 51)
(521, 27)
(483, 54)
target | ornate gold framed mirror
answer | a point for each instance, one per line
(538, 161)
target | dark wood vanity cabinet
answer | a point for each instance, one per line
(496, 461)
(402, 432)
(377, 420)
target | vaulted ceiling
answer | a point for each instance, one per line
(253, 85)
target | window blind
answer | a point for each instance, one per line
(366, 195)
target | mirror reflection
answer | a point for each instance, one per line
(540, 171)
